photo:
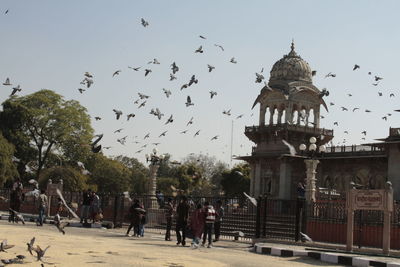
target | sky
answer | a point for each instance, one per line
(51, 44)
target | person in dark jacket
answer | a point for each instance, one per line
(182, 212)
(169, 214)
(86, 195)
(219, 214)
(135, 214)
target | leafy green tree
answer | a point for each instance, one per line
(8, 170)
(108, 174)
(73, 179)
(47, 123)
(139, 174)
(237, 180)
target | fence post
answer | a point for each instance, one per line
(258, 217)
(300, 218)
(116, 206)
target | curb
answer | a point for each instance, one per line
(323, 256)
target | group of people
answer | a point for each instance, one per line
(137, 216)
(201, 223)
(90, 208)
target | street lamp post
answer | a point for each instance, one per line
(311, 165)
(155, 161)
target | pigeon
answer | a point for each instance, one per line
(170, 120)
(184, 86)
(183, 132)
(354, 109)
(81, 90)
(391, 95)
(143, 96)
(384, 118)
(356, 67)
(172, 77)
(344, 109)
(116, 73)
(193, 80)
(131, 115)
(118, 113)
(158, 114)
(154, 61)
(377, 78)
(220, 46)
(81, 165)
(4, 246)
(30, 245)
(190, 121)
(6, 11)
(380, 93)
(87, 74)
(188, 102)
(210, 68)
(15, 90)
(122, 140)
(147, 136)
(18, 216)
(336, 123)
(134, 68)
(331, 103)
(142, 104)
(139, 151)
(375, 84)
(212, 94)
(233, 60)
(40, 252)
(305, 237)
(118, 130)
(163, 134)
(227, 112)
(197, 133)
(215, 137)
(330, 74)
(252, 199)
(313, 73)
(167, 92)
(144, 23)
(240, 116)
(174, 68)
(259, 77)
(97, 118)
(156, 144)
(88, 82)
(34, 183)
(202, 37)
(367, 110)
(95, 148)
(199, 50)
(146, 72)
(292, 150)
(7, 82)
(350, 95)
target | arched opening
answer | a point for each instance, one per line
(311, 118)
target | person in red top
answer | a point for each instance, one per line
(197, 224)
(209, 223)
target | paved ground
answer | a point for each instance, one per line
(101, 247)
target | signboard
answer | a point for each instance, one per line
(52, 189)
(369, 199)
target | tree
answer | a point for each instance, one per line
(73, 179)
(237, 180)
(139, 174)
(8, 169)
(108, 174)
(49, 124)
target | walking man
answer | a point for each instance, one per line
(208, 228)
(85, 206)
(43, 203)
(181, 221)
(169, 213)
(219, 213)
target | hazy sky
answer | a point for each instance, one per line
(51, 44)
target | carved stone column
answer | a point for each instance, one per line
(263, 110)
(271, 116)
(311, 166)
(152, 186)
(280, 113)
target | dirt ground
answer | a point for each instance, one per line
(102, 247)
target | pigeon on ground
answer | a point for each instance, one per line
(4, 246)
(40, 252)
(30, 245)
(18, 216)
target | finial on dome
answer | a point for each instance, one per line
(292, 53)
(292, 46)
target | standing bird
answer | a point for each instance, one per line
(118, 113)
(144, 23)
(356, 67)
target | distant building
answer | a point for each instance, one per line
(290, 110)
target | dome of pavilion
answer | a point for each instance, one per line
(291, 68)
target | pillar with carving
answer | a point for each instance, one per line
(311, 167)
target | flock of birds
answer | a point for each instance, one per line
(19, 259)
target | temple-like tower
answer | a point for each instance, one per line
(290, 111)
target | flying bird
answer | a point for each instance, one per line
(163, 134)
(367, 110)
(233, 60)
(330, 74)
(143, 96)
(134, 68)
(122, 140)
(227, 112)
(172, 77)
(193, 80)
(146, 72)
(220, 46)
(189, 102)
(15, 90)
(167, 92)
(154, 61)
(199, 50)
(17, 215)
(197, 133)
(7, 82)
(131, 115)
(252, 199)
(356, 67)
(96, 148)
(212, 94)
(170, 120)
(210, 68)
(183, 132)
(147, 136)
(336, 123)
(40, 252)
(259, 78)
(344, 109)
(391, 95)
(377, 78)
(119, 130)
(144, 23)
(116, 72)
(4, 245)
(202, 37)
(313, 73)
(354, 109)
(30, 245)
(184, 86)
(174, 68)
(292, 150)
(305, 237)
(142, 104)
(81, 90)
(118, 113)
(380, 93)
(215, 137)
(190, 121)
(240, 116)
